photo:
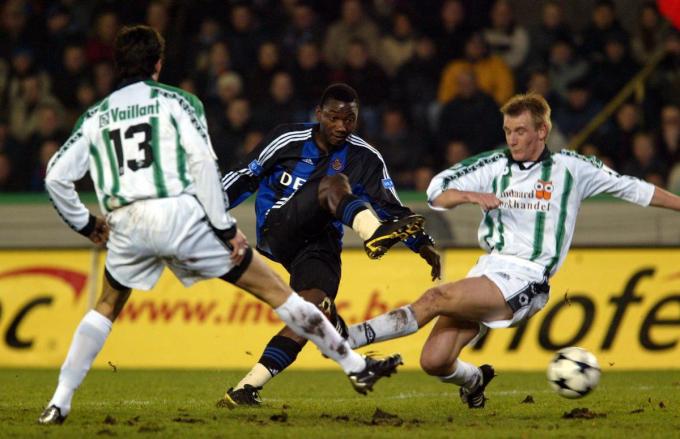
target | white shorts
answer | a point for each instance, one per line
(523, 284)
(147, 235)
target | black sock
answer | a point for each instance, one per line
(280, 353)
(348, 208)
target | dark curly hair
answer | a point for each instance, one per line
(340, 92)
(137, 50)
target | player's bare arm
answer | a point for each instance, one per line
(665, 199)
(452, 197)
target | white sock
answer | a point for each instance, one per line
(87, 341)
(307, 321)
(465, 375)
(396, 323)
(365, 224)
(257, 377)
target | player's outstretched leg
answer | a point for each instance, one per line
(306, 320)
(281, 351)
(335, 195)
(87, 341)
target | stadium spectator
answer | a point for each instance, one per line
(99, 46)
(74, 70)
(616, 142)
(551, 29)
(603, 23)
(198, 52)
(492, 73)
(158, 16)
(645, 163)
(104, 78)
(578, 109)
(455, 152)
(505, 37)
(304, 27)
(649, 33)
(244, 36)
(60, 30)
(664, 83)
(415, 85)
(218, 62)
(364, 74)
(228, 131)
(472, 116)
(668, 137)
(6, 174)
(281, 105)
(354, 24)
(36, 173)
(15, 30)
(401, 147)
(310, 73)
(397, 45)
(614, 70)
(24, 107)
(451, 32)
(229, 87)
(261, 74)
(565, 66)
(539, 81)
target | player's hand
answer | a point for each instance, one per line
(100, 234)
(238, 245)
(485, 201)
(431, 256)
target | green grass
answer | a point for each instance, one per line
(174, 403)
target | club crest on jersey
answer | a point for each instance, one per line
(543, 189)
(336, 164)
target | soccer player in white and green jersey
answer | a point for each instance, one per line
(530, 199)
(148, 151)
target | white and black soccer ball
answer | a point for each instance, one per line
(573, 372)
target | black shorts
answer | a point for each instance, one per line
(301, 236)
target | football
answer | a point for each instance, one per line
(573, 372)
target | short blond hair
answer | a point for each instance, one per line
(532, 102)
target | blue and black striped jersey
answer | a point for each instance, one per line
(288, 157)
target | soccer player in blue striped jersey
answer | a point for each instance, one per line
(530, 199)
(311, 179)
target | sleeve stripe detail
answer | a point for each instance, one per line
(267, 153)
(358, 141)
(281, 141)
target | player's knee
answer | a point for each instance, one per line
(434, 297)
(332, 189)
(434, 364)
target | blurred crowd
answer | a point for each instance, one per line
(431, 75)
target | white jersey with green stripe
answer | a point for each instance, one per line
(145, 140)
(539, 200)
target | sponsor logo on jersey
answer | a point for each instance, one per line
(543, 189)
(291, 181)
(129, 112)
(387, 183)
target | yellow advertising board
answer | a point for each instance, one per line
(623, 305)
